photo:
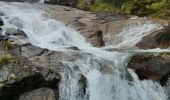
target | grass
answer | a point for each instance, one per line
(5, 58)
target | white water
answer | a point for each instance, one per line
(135, 33)
(119, 83)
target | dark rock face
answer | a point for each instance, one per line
(1, 22)
(153, 67)
(157, 39)
(62, 2)
(39, 94)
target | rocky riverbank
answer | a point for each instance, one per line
(33, 73)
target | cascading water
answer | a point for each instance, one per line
(98, 74)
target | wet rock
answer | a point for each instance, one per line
(0, 30)
(1, 22)
(15, 32)
(82, 82)
(39, 94)
(157, 39)
(151, 66)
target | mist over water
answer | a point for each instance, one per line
(86, 78)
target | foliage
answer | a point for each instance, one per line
(134, 7)
(5, 58)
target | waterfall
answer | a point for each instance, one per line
(99, 74)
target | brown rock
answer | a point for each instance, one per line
(153, 67)
(157, 39)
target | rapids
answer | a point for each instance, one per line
(121, 84)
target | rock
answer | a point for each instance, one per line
(20, 76)
(157, 39)
(96, 39)
(16, 78)
(62, 2)
(15, 32)
(1, 22)
(39, 94)
(2, 37)
(0, 30)
(151, 66)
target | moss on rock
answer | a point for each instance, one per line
(4, 59)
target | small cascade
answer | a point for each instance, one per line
(135, 33)
(98, 74)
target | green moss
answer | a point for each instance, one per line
(5, 58)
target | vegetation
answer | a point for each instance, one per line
(7, 44)
(5, 58)
(134, 7)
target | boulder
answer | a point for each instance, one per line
(39, 94)
(151, 66)
(157, 39)
(16, 78)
